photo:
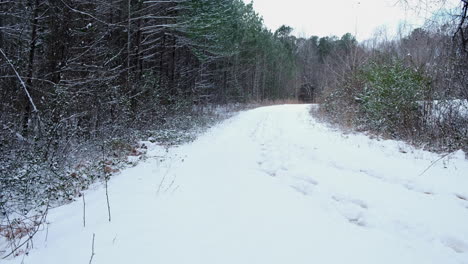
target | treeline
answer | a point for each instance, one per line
(103, 61)
(80, 79)
(412, 87)
(317, 59)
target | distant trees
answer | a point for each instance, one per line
(457, 28)
(410, 88)
(321, 62)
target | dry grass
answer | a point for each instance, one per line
(19, 228)
(345, 124)
(278, 102)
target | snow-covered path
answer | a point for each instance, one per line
(271, 185)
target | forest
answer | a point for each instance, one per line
(82, 80)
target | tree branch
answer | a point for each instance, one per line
(23, 84)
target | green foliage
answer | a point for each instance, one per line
(327, 46)
(346, 42)
(389, 100)
(247, 60)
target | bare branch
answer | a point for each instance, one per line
(23, 84)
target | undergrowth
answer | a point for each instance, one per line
(32, 182)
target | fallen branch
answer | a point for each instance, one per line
(434, 162)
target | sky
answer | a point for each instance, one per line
(362, 18)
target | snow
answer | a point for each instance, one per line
(270, 185)
(448, 108)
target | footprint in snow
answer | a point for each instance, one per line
(310, 181)
(462, 197)
(301, 189)
(358, 221)
(351, 209)
(271, 173)
(457, 245)
(356, 202)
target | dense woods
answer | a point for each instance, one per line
(83, 79)
(78, 78)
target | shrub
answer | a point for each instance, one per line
(339, 100)
(389, 99)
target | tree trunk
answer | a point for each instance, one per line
(1, 23)
(30, 68)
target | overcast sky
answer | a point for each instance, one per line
(337, 17)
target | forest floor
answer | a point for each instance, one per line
(269, 185)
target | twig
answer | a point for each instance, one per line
(21, 81)
(434, 162)
(84, 211)
(9, 225)
(92, 250)
(108, 203)
(106, 178)
(175, 189)
(47, 232)
(164, 178)
(44, 215)
(172, 183)
(161, 183)
(89, 15)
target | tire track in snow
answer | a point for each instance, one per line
(332, 199)
(284, 152)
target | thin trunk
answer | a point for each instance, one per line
(1, 23)
(264, 77)
(224, 92)
(161, 61)
(139, 61)
(173, 67)
(30, 67)
(128, 44)
(111, 17)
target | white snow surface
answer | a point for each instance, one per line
(270, 185)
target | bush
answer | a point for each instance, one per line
(389, 99)
(339, 100)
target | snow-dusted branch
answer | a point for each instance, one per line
(23, 84)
